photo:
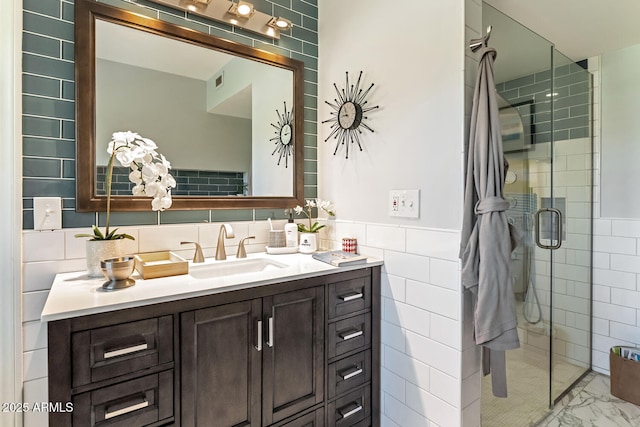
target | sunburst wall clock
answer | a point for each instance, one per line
(284, 136)
(348, 115)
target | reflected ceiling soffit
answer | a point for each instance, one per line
(229, 12)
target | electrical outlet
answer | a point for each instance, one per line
(47, 213)
(404, 203)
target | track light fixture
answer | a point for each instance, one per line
(195, 5)
(280, 23)
(239, 13)
(242, 9)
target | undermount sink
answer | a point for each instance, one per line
(231, 268)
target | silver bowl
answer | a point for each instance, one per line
(118, 270)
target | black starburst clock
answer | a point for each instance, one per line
(348, 115)
(284, 136)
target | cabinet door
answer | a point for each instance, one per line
(221, 370)
(293, 354)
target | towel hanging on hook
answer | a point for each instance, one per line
(476, 44)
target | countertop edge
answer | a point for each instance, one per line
(324, 270)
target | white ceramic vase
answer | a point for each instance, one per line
(308, 243)
(102, 249)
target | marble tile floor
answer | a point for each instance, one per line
(590, 404)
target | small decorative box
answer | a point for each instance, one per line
(160, 264)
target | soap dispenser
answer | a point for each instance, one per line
(291, 232)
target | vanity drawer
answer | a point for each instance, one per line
(138, 402)
(348, 373)
(312, 419)
(352, 409)
(349, 334)
(349, 296)
(111, 351)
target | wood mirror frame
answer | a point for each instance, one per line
(85, 66)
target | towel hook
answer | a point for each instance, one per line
(476, 44)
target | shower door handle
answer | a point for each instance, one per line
(558, 228)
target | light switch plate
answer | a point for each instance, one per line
(47, 213)
(404, 203)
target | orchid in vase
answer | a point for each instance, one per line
(310, 204)
(149, 173)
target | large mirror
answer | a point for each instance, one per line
(213, 107)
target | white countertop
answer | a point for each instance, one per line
(75, 294)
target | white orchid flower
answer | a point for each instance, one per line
(138, 190)
(161, 203)
(116, 145)
(147, 144)
(161, 169)
(168, 181)
(135, 176)
(149, 172)
(131, 136)
(156, 189)
(165, 161)
(324, 205)
(125, 157)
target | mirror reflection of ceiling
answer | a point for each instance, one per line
(578, 28)
(141, 49)
(123, 44)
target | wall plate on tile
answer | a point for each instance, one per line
(404, 203)
(47, 213)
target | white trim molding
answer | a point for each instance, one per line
(10, 210)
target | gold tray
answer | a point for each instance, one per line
(160, 264)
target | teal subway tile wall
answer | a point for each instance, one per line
(571, 115)
(48, 116)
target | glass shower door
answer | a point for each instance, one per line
(545, 115)
(571, 196)
(523, 75)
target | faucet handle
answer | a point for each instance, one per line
(242, 252)
(197, 256)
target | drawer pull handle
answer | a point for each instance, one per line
(352, 296)
(125, 410)
(349, 410)
(350, 373)
(259, 345)
(348, 335)
(126, 350)
(270, 334)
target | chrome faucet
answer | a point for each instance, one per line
(197, 255)
(242, 252)
(226, 232)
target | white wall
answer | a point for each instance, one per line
(416, 63)
(429, 370)
(620, 128)
(10, 218)
(616, 254)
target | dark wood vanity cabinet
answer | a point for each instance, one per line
(303, 353)
(254, 362)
